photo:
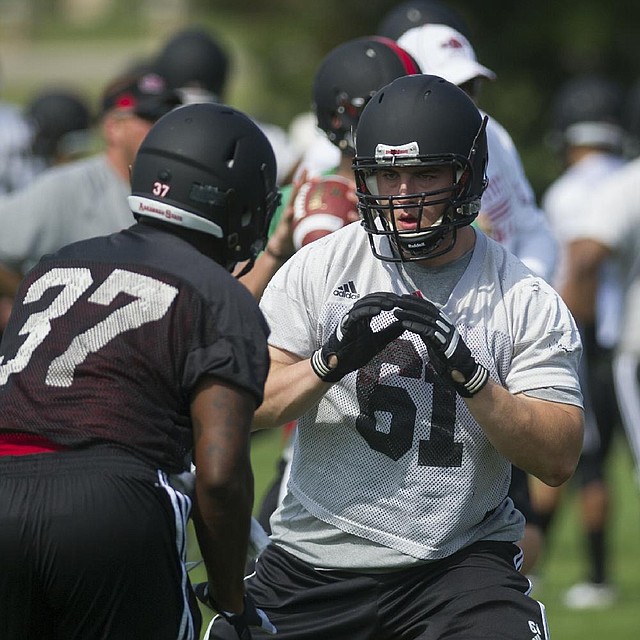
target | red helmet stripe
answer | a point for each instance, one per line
(410, 65)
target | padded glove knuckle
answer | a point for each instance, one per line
(354, 343)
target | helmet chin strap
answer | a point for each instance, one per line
(247, 267)
(430, 247)
(429, 240)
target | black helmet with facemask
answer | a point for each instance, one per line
(347, 78)
(209, 168)
(420, 121)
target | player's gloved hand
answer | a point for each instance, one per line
(251, 616)
(450, 356)
(354, 342)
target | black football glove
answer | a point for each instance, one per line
(448, 353)
(354, 342)
(251, 616)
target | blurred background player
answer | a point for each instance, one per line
(341, 88)
(415, 13)
(87, 197)
(61, 124)
(83, 198)
(344, 82)
(509, 211)
(346, 79)
(589, 136)
(318, 156)
(17, 168)
(197, 65)
(610, 229)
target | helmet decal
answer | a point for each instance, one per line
(160, 189)
(391, 153)
(169, 213)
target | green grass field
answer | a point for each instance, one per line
(563, 563)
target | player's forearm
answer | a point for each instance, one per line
(290, 391)
(221, 416)
(542, 438)
(584, 259)
(579, 294)
(278, 250)
(222, 516)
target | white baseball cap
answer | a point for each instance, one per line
(445, 52)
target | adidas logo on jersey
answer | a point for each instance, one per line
(347, 290)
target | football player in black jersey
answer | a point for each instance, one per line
(126, 358)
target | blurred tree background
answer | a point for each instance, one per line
(276, 46)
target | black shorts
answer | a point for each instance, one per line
(475, 594)
(601, 407)
(92, 547)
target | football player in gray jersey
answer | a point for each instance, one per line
(414, 399)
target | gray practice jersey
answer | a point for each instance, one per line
(390, 455)
(64, 204)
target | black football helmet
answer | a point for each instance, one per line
(208, 167)
(61, 121)
(192, 60)
(415, 13)
(588, 111)
(420, 121)
(347, 78)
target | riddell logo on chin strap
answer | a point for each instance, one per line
(346, 290)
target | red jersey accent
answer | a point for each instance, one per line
(22, 444)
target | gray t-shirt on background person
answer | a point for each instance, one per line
(64, 204)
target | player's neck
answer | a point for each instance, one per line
(204, 243)
(465, 241)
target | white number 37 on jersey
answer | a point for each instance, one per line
(152, 300)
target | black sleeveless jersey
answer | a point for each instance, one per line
(109, 336)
